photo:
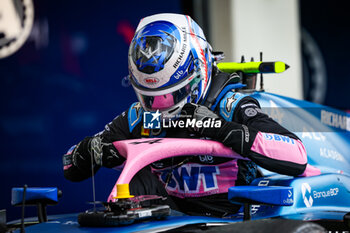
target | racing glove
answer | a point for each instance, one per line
(105, 154)
(237, 136)
(92, 149)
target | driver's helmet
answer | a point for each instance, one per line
(170, 63)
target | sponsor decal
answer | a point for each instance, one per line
(229, 102)
(183, 50)
(263, 183)
(246, 133)
(306, 193)
(16, 22)
(254, 209)
(145, 213)
(278, 138)
(331, 154)
(289, 199)
(137, 108)
(335, 120)
(178, 74)
(189, 179)
(324, 194)
(134, 115)
(206, 158)
(181, 55)
(151, 81)
(145, 132)
(311, 134)
(309, 195)
(250, 112)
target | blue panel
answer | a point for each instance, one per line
(313, 196)
(273, 195)
(70, 224)
(326, 142)
(48, 194)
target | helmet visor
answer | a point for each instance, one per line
(153, 46)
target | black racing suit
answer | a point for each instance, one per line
(249, 134)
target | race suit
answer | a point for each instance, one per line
(199, 184)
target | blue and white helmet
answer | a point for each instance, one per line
(170, 63)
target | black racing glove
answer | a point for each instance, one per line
(202, 114)
(237, 136)
(105, 154)
(92, 149)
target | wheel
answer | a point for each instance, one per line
(92, 219)
(270, 226)
(101, 219)
(347, 220)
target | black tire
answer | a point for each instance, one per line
(271, 226)
(101, 219)
(347, 220)
(92, 219)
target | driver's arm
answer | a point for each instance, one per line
(94, 152)
(270, 145)
(256, 136)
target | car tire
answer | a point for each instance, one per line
(271, 226)
(91, 219)
(101, 219)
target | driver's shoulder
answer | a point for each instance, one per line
(134, 115)
(230, 101)
(128, 120)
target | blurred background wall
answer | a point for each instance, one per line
(271, 27)
(65, 82)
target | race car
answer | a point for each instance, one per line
(314, 202)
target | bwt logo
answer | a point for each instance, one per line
(190, 179)
(278, 138)
(151, 120)
(308, 201)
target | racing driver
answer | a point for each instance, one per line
(173, 71)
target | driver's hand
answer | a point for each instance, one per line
(104, 154)
(201, 113)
